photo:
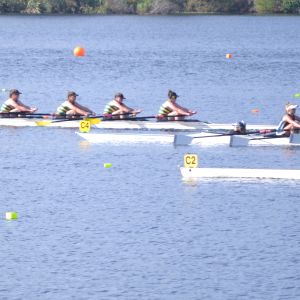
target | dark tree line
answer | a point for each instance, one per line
(148, 6)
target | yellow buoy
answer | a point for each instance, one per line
(11, 215)
(107, 165)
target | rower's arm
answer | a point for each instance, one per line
(78, 110)
(20, 106)
(84, 108)
(124, 108)
(289, 120)
(180, 110)
(186, 109)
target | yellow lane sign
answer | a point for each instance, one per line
(85, 126)
(191, 161)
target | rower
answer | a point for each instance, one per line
(118, 109)
(239, 128)
(70, 107)
(171, 110)
(14, 105)
(290, 121)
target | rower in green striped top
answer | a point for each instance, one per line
(14, 105)
(172, 111)
(118, 109)
(71, 107)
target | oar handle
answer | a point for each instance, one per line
(78, 118)
(111, 118)
(262, 131)
(158, 117)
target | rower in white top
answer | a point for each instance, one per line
(290, 122)
(118, 109)
(14, 105)
(171, 110)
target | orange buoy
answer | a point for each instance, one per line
(228, 55)
(255, 110)
(79, 51)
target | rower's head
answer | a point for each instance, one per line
(291, 108)
(72, 96)
(240, 127)
(14, 94)
(172, 96)
(119, 97)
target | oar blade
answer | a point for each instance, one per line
(42, 123)
(239, 141)
(94, 121)
(182, 140)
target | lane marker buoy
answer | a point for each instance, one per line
(107, 165)
(11, 215)
(79, 51)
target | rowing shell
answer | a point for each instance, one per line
(133, 125)
(168, 138)
(250, 140)
(197, 173)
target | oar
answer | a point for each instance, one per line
(26, 117)
(184, 140)
(23, 114)
(159, 118)
(106, 117)
(26, 114)
(111, 117)
(66, 118)
(93, 119)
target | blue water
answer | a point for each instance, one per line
(136, 230)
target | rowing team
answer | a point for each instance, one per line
(116, 107)
(170, 109)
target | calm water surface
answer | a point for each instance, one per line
(137, 231)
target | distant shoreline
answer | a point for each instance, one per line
(147, 14)
(150, 7)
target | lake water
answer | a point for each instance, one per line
(136, 230)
